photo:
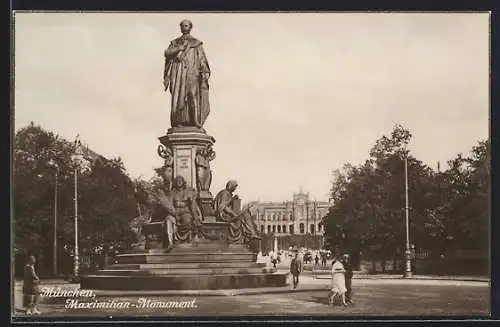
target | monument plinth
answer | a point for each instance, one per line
(191, 239)
(191, 151)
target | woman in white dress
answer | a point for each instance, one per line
(338, 281)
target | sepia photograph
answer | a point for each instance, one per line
(331, 164)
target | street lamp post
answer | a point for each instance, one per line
(408, 272)
(76, 258)
(54, 165)
(55, 222)
(76, 267)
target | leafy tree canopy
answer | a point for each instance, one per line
(446, 208)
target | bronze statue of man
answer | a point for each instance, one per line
(240, 225)
(186, 75)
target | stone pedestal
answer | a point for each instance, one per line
(199, 265)
(153, 233)
(184, 143)
(211, 261)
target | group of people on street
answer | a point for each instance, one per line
(341, 272)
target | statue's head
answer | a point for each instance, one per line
(186, 26)
(179, 182)
(231, 185)
(206, 150)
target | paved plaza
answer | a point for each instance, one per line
(373, 297)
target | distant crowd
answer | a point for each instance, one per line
(306, 255)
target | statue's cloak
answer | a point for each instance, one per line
(183, 76)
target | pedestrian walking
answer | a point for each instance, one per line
(274, 260)
(349, 273)
(31, 289)
(316, 259)
(338, 281)
(323, 259)
(296, 269)
(413, 257)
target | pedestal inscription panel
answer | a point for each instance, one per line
(184, 164)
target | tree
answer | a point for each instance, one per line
(369, 199)
(107, 201)
(464, 205)
(105, 196)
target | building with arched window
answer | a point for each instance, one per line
(299, 216)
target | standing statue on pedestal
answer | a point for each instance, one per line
(203, 172)
(241, 225)
(167, 171)
(186, 75)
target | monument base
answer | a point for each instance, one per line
(191, 266)
(184, 144)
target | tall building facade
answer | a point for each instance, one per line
(300, 216)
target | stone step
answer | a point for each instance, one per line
(182, 282)
(197, 271)
(185, 250)
(186, 265)
(203, 246)
(188, 257)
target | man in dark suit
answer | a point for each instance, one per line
(296, 269)
(346, 261)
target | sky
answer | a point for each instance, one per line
(293, 96)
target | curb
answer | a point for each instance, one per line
(257, 291)
(483, 280)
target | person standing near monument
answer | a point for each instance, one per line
(323, 258)
(31, 291)
(413, 257)
(295, 269)
(338, 278)
(346, 261)
(274, 259)
(240, 224)
(186, 75)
